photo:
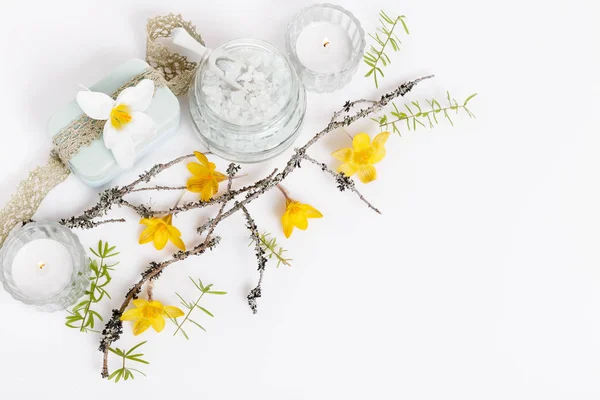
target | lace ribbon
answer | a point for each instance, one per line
(30, 193)
(168, 68)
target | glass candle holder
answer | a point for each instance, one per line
(325, 43)
(43, 264)
(252, 125)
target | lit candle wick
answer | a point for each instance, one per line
(41, 265)
(325, 42)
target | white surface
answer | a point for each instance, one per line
(480, 281)
(323, 47)
(42, 268)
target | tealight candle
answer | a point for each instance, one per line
(42, 268)
(325, 44)
(44, 264)
(324, 47)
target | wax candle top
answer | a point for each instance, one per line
(42, 268)
(324, 47)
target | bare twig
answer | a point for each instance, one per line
(260, 258)
(158, 188)
(344, 182)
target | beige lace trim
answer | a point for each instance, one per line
(176, 69)
(30, 193)
(84, 130)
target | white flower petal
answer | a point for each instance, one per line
(124, 152)
(111, 135)
(141, 126)
(138, 97)
(95, 105)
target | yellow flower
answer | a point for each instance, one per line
(296, 215)
(159, 231)
(361, 157)
(205, 180)
(149, 313)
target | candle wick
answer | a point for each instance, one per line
(41, 265)
(325, 43)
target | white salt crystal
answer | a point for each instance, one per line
(238, 97)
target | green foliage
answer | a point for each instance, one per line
(423, 116)
(191, 306)
(376, 56)
(124, 372)
(83, 317)
(272, 248)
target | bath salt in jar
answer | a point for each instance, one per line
(249, 125)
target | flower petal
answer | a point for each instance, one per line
(141, 126)
(140, 303)
(110, 135)
(158, 323)
(367, 173)
(202, 158)
(310, 211)
(362, 141)
(173, 312)
(157, 306)
(124, 152)
(160, 239)
(175, 237)
(95, 105)
(219, 176)
(199, 170)
(286, 222)
(139, 96)
(343, 155)
(378, 155)
(299, 219)
(140, 326)
(203, 185)
(209, 190)
(131, 315)
(148, 234)
(380, 139)
(347, 169)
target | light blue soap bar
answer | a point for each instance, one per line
(95, 164)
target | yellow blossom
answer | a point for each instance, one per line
(159, 231)
(205, 180)
(296, 215)
(149, 313)
(361, 157)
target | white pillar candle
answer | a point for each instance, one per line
(42, 268)
(324, 47)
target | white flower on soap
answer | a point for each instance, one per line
(126, 121)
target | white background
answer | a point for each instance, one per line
(480, 281)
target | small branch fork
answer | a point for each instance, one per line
(115, 196)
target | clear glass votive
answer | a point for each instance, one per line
(43, 264)
(249, 126)
(325, 43)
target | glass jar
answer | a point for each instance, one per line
(62, 240)
(248, 126)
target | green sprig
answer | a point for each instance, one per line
(269, 245)
(422, 116)
(124, 372)
(376, 57)
(83, 317)
(192, 305)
